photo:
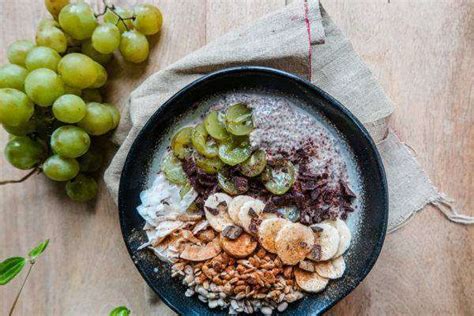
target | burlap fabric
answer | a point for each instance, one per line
(302, 39)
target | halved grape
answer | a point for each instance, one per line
(23, 152)
(13, 76)
(55, 6)
(173, 170)
(89, 50)
(69, 108)
(101, 76)
(42, 57)
(78, 70)
(78, 20)
(91, 95)
(106, 38)
(51, 37)
(18, 51)
(227, 184)
(235, 151)
(43, 86)
(15, 107)
(134, 47)
(181, 143)
(208, 165)
(204, 146)
(255, 164)
(280, 178)
(115, 114)
(58, 168)
(91, 161)
(82, 188)
(148, 19)
(214, 123)
(238, 119)
(98, 119)
(70, 141)
(110, 17)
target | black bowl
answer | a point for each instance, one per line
(372, 213)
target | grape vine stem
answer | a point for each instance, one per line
(29, 174)
(112, 9)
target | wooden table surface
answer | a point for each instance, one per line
(422, 53)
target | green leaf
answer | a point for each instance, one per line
(120, 311)
(10, 268)
(38, 250)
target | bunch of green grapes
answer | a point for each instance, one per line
(50, 97)
(221, 142)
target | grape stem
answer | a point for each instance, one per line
(112, 9)
(29, 174)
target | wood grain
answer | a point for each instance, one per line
(422, 53)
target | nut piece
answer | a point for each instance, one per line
(240, 247)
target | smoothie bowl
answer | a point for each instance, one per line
(252, 191)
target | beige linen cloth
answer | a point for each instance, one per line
(302, 39)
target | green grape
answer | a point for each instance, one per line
(71, 90)
(78, 20)
(134, 47)
(18, 50)
(255, 164)
(225, 183)
(42, 57)
(45, 23)
(214, 123)
(78, 70)
(148, 19)
(55, 6)
(110, 17)
(204, 146)
(15, 107)
(115, 114)
(43, 86)
(91, 95)
(101, 76)
(239, 119)
(13, 76)
(82, 188)
(51, 37)
(173, 170)
(70, 141)
(181, 143)
(208, 165)
(23, 152)
(279, 179)
(91, 161)
(22, 129)
(98, 119)
(235, 151)
(106, 38)
(58, 168)
(90, 51)
(69, 108)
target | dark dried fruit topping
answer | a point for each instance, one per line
(316, 228)
(316, 252)
(252, 213)
(303, 244)
(241, 184)
(254, 223)
(222, 206)
(232, 232)
(211, 210)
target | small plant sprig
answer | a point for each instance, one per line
(11, 267)
(120, 311)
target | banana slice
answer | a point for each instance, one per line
(310, 281)
(333, 269)
(241, 247)
(293, 242)
(235, 205)
(194, 252)
(326, 242)
(345, 235)
(249, 213)
(215, 208)
(268, 231)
